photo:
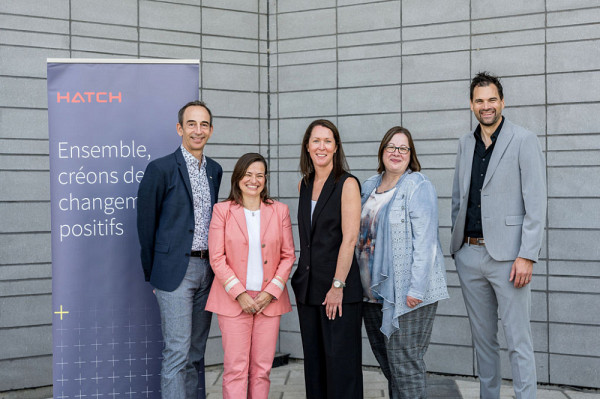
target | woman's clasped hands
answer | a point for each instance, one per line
(256, 305)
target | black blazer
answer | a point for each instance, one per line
(320, 244)
(165, 218)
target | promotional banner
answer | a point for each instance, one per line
(107, 120)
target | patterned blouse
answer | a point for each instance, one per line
(369, 219)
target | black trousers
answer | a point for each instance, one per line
(332, 352)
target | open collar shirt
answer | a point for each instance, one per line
(481, 160)
(201, 196)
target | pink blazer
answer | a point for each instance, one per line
(228, 248)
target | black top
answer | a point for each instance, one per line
(320, 244)
(481, 160)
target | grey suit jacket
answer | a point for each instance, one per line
(513, 196)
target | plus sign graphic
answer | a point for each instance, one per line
(61, 312)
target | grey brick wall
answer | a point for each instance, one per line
(270, 67)
(369, 65)
(230, 37)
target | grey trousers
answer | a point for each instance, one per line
(185, 327)
(401, 356)
(487, 294)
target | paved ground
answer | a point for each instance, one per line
(287, 382)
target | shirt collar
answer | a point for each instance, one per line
(190, 159)
(477, 132)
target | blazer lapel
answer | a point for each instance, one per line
(468, 162)
(304, 208)
(210, 175)
(266, 214)
(326, 192)
(183, 171)
(504, 138)
(237, 212)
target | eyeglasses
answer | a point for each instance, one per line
(392, 148)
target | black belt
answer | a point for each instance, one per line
(202, 254)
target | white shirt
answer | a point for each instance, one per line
(254, 275)
(313, 205)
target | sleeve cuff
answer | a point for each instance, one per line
(415, 294)
(532, 257)
(233, 287)
(275, 287)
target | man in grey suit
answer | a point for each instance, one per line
(498, 216)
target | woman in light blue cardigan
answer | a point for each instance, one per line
(401, 264)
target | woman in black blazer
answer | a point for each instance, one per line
(327, 280)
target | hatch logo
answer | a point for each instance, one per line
(88, 97)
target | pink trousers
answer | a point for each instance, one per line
(249, 345)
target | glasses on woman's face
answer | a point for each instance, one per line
(392, 148)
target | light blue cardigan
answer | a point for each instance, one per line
(412, 252)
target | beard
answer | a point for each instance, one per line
(490, 122)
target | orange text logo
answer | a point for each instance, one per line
(88, 97)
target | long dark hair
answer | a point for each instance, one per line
(340, 166)
(413, 164)
(239, 171)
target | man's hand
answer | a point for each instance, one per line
(333, 302)
(521, 272)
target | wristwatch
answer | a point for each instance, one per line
(338, 283)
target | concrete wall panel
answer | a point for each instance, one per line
(367, 66)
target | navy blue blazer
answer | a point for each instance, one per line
(165, 218)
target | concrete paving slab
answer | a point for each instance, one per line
(287, 382)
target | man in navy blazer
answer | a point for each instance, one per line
(498, 218)
(175, 201)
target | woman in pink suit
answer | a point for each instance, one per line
(251, 252)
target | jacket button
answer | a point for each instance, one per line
(187, 255)
(265, 262)
(262, 246)
(191, 231)
(266, 280)
(307, 267)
